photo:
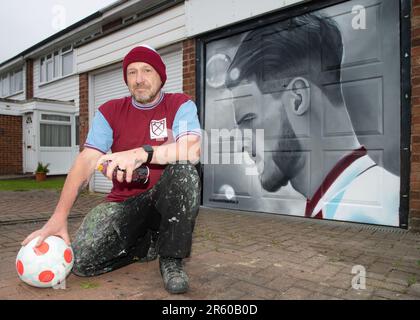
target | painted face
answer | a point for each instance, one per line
(277, 158)
(143, 81)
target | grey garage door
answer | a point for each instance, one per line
(320, 86)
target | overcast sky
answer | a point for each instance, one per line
(24, 23)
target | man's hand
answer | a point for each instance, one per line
(125, 161)
(54, 227)
(187, 148)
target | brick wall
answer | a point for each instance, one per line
(188, 68)
(83, 108)
(414, 213)
(29, 84)
(11, 145)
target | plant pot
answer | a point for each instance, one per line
(40, 176)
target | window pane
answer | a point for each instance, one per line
(12, 77)
(50, 70)
(19, 77)
(42, 71)
(55, 135)
(67, 63)
(55, 117)
(77, 131)
(56, 64)
(5, 86)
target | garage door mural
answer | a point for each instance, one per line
(310, 106)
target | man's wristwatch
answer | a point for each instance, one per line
(149, 150)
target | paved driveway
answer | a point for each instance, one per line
(236, 255)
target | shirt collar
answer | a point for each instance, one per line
(149, 105)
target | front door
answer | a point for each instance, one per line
(29, 144)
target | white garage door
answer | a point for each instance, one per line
(110, 85)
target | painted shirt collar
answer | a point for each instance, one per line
(343, 173)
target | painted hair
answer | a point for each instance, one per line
(309, 46)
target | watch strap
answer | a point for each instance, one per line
(149, 150)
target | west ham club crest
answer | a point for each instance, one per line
(158, 129)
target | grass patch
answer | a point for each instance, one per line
(89, 285)
(26, 184)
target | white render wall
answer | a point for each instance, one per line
(65, 89)
(205, 15)
(158, 31)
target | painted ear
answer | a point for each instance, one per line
(300, 95)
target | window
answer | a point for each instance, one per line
(67, 63)
(50, 67)
(55, 117)
(55, 130)
(19, 80)
(5, 86)
(11, 82)
(41, 71)
(56, 65)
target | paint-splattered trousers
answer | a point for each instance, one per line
(115, 234)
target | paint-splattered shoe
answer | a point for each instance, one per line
(174, 277)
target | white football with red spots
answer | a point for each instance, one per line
(47, 265)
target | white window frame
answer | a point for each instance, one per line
(68, 123)
(57, 65)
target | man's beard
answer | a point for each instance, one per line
(145, 98)
(285, 163)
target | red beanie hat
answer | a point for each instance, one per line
(148, 55)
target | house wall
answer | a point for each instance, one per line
(10, 144)
(188, 67)
(19, 96)
(65, 89)
(415, 117)
(29, 79)
(158, 31)
(83, 108)
(204, 15)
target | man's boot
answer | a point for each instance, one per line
(174, 277)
